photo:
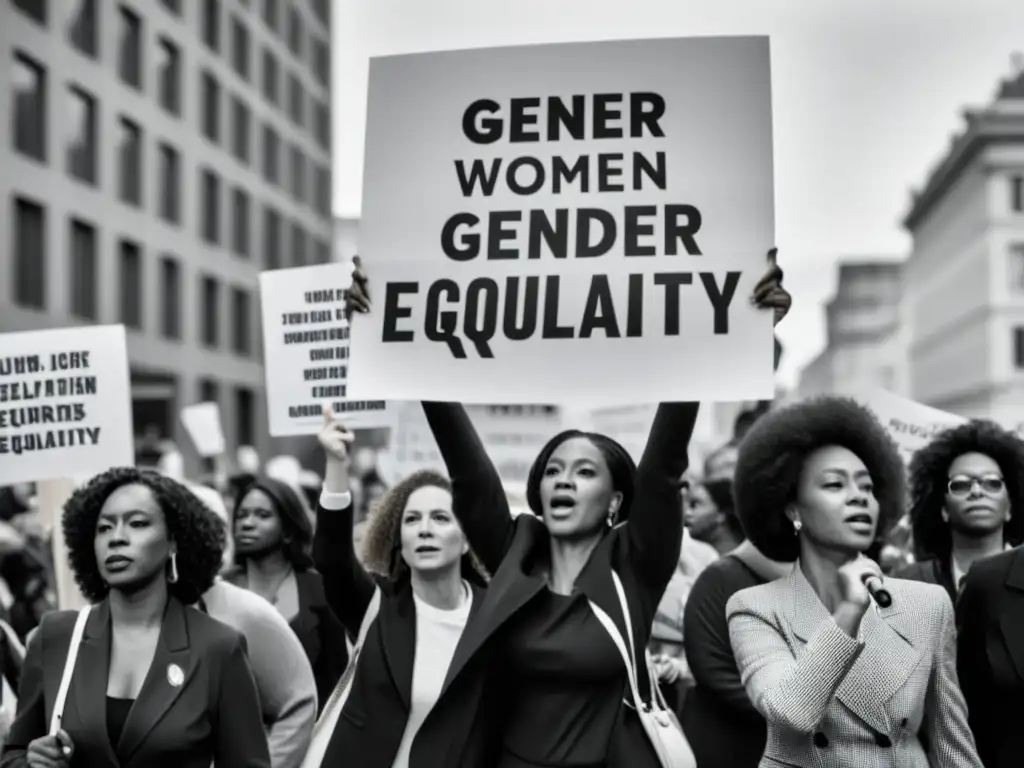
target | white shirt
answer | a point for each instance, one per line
(437, 634)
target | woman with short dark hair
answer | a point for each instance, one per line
(273, 537)
(155, 682)
(841, 680)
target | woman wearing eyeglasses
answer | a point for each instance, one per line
(964, 487)
(967, 486)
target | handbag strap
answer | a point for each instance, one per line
(628, 656)
(368, 618)
(69, 670)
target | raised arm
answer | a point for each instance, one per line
(950, 742)
(478, 496)
(655, 527)
(347, 586)
(788, 692)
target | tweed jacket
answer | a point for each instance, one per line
(890, 697)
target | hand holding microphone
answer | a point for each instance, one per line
(861, 581)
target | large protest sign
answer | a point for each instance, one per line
(911, 425)
(306, 345)
(65, 403)
(568, 218)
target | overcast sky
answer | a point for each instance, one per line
(866, 97)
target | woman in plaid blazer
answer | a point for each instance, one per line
(842, 681)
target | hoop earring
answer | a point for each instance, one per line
(172, 577)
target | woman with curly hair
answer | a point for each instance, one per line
(401, 702)
(964, 487)
(273, 537)
(155, 682)
(603, 531)
(842, 680)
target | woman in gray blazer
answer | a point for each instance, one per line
(842, 680)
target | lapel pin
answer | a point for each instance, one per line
(175, 676)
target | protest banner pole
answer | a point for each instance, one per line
(53, 494)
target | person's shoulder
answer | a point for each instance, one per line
(212, 633)
(239, 608)
(994, 568)
(759, 599)
(56, 624)
(915, 571)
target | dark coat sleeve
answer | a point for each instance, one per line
(655, 528)
(240, 739)
(30, 722)
(706, 638)
(478, 495)
(973, 669)
(348, 588)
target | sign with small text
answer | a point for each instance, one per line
(65, 403)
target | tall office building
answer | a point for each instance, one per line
(156, 156)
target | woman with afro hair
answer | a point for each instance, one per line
(401, 702)
(964, 488)
(156, 682)
(842, 680)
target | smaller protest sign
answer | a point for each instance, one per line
(65, 403)
(911, 425)
(202, 422)
(306, 344)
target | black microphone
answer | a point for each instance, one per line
(877, 590)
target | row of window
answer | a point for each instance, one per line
(275, 239)
(307, 182)
(295, 35)
(83, 33)
(83, 279)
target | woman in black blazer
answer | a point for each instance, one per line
(272, 537)
(559, 677)
(156, 684)
(403, 703)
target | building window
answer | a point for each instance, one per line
(241, 312)
(241, 142)
(82, 146)
(323, 126)
(270, 14)
(1017, 194)
(29, 254)
(240, 49)
(295, 31)
(321, 61)
(83, 270)
(170, 183)
(83, 28)
(174, 6)
(211, 107)
(129, 49)
(298, 245)
(34, 9)
(170, 296)
(209, 391)
(1018, 347)
(1016, 267)
(323, 191)
(131, 285)
(209, 330)
(298, 174)
(209, 202)
(28, 86)
(211, 24)
(271, 150)
(296, 99)
(323, 252)
(169, 76)
(130, 156)
(271, 238)
(240, 237)
(269, 76)
(245, 414)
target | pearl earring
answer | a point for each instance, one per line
(797, 525)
